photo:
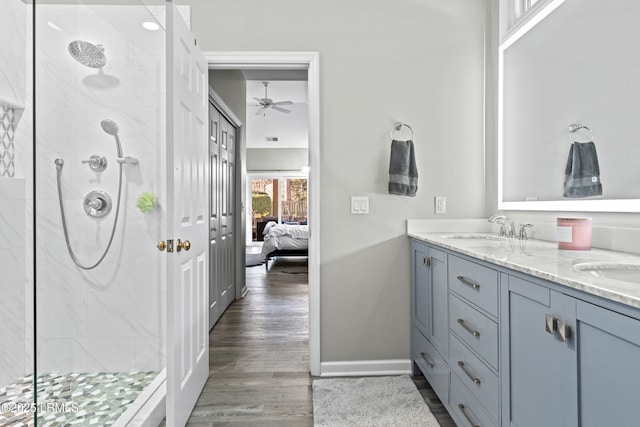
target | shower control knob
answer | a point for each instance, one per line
(161, 245)
(97, 162)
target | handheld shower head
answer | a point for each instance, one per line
(111, 127)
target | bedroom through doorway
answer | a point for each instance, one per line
(301, 68)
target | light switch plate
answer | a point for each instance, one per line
(359, 205)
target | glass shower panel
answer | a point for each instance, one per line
(16, 278)
(100, 160)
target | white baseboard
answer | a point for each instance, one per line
(365, 368)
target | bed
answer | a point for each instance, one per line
(290, 240)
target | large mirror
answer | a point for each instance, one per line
(575, 62)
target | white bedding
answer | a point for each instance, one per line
(286, 236)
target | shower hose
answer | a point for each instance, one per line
(59, 164)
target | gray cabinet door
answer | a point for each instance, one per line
(439, 331)
(420, 301)
(542, 367)
(608, 367)
(429, 295)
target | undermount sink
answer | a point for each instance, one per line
(474, 236)
(626, 272)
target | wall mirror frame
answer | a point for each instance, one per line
(542, 11)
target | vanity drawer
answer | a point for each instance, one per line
(473, 373)
(475, 329)
(431, 364)
(466, 409)
(474, 282)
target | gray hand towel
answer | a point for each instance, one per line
(403, 173)
(582, 174)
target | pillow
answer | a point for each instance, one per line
(267, 227)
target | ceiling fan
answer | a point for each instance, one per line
(267, 103)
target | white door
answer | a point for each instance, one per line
(187, 220)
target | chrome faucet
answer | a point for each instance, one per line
(507, 228)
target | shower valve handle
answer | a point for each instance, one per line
(97, 162)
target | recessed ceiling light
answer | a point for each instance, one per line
(54, 26)
(151, 26)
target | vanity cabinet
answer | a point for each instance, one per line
(503, 348)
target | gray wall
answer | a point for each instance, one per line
(420, 62)
(276, 159)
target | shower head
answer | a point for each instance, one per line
(111, 127)
(88, 54)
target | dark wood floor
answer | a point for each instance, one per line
(259, 356)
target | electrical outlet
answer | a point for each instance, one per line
(440, 205)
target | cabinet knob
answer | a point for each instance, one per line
(161, 245)
(426, 261)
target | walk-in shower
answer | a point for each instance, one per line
(83, 336)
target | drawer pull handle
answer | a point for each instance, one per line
(424, 356)
(564, 331)
(471, 377)
(469, 282)
(468, 329)
(550, 324)
(462, 409)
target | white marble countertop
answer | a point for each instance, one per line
(543, 259)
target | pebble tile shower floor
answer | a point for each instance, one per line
(93, 399)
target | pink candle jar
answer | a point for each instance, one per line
(574, 233)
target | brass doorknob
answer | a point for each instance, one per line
(161, 245)
(186, 245)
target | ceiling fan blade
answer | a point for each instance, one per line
(282, 110)
(282, 103)
(259, 101)
(260, 110)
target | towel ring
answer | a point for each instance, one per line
(576, 127)
(398, 126)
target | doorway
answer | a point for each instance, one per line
(287, 61)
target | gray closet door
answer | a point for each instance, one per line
(221, 220)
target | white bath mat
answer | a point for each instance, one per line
(372, 401)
